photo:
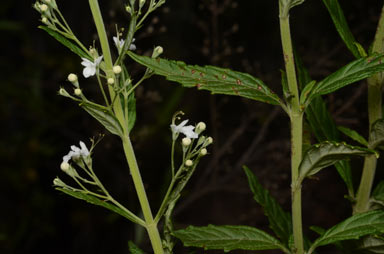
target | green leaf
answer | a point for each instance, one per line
(353, 135)
(377, 134)
(279, 221)
(105, 117)
(95, 201)
(354, 227)
(322, 123)
(74, 48)
(130, 101)
(341, 25)
(306, 92)
(214, 79)
(228, 238)
(378, 193)
(357, 70)
(133, 249)
(370, 245)
(326, 154)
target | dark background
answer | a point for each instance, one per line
(37, 126)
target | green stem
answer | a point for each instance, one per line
(375, 84)
(151, 225)
(296, 118)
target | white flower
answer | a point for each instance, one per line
(90, 67)
(186, 130)
(75, 153)
(120, 43)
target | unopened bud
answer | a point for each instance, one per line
(72, 78)
(203, 152)
(186, 141)
(141, 3)
(128, 9)
(57, 182)
(111, 81)
(43, 7)
(157, 51)
(64, 166)
(188, 163)
(44, 20)
(117, 69)
(200, 127)
(63, 92)
(209, 140)
(78, 91)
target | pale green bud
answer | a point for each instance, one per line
(157, 51)
(72, 78)
(128, 9)
(57, 182)
(188, 163)
(209, 140)
(203, 152)
(63, 92)
(117, 69)
(141, 3)
(64, 166)
(200, 127)
(44, 20)
(43, 7)
(78, 91)
(111, 81)
(186, 141)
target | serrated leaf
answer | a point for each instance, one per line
(214, 79)
(326, 154)
(322, 123)
(354, 227)
(353, 135)
(105, 117)
(341, 25)
(279, 220)
(96, 201)
(133, 249)
(228, 238)
(355, 71)
(377, 134)
(63, 40)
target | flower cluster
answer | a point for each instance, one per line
(75, 153)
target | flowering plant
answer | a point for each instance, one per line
(302, 101)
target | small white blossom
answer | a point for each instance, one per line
(120, 43)
(90, 67)
(111, 81)
(186, 130)
(117, 69)
(75, 153)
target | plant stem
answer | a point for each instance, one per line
(296, 119)
(375, 84)
(151, 225)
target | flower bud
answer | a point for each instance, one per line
(64, 166)
(128, 9)
(57, 182)
(111, 81)
(78, 91)
(186, 141)
(209, 140)
(63, 92)
(188, 163)
(141, 3)
(72, 78)
(117, 69)
(157, 51)
(43, 7)
(200, 127)
(203, 152)
(44, 20)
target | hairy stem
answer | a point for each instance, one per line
(296, 119)
(375, 84)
